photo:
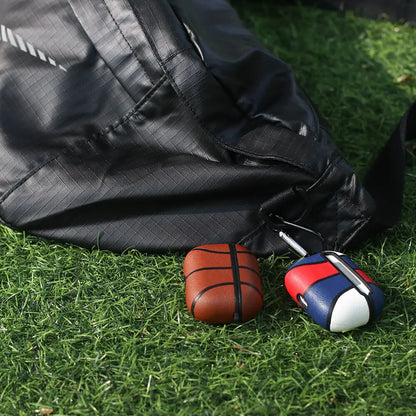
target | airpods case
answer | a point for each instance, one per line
(222, 283)
(334, 291)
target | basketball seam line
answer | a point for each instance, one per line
(221, 268)
(223, 252)
(238, 301)
(219, 285)
(206, 290)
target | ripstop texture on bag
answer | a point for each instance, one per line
(162, 125)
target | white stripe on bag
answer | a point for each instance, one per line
(7, 36)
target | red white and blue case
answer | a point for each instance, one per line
(334, 291)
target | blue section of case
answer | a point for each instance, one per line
(321, 295)
(315, 258)
(319, 258)
(350, 262)
(378, 299)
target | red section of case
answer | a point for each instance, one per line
(298, 279)
(365, 276)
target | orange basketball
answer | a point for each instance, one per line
(222, 283)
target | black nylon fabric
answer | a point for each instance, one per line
(161, 125)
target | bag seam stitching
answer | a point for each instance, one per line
(186, 102)
(133, 112)
(25, 178)
(127, 42)
(107, 130)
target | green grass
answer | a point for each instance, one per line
(91, 332)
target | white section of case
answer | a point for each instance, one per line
(351, 310)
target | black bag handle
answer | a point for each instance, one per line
(385, 178)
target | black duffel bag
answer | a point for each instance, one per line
(162, 125)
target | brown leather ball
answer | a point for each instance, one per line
(222, 283)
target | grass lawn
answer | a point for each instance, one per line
(91, 332)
